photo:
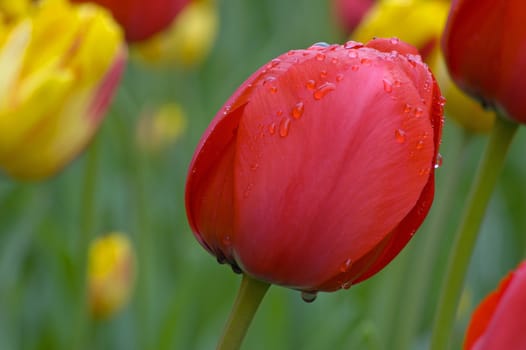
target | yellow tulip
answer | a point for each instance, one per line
(158, 130)
(187, 41)
(420, 23)
(111, 274)
(59, 66)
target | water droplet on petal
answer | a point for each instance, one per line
(320, 56)
(353, 54)
(339, 77)
(323, 74)
(284, 127)
(407, 108)
(275, 62)
(419, 111)
(365, 61)
(355, 67)
(438, 162)
(320, 44)
(388, 87)
(346, 266)
(323, 90)
(352, 45)
(273, 89)
(346, 285)
(309, 297)
(272, 128)
(297, 111)
(279, 113)
(334, 60)
(310, 84)
(420, 144)
(399, 135)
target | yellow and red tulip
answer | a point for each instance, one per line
(60, 65)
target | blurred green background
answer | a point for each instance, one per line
(182, 296)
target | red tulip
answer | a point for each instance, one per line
(484, 45)
(142, 19)
(498, 322)
(351, 12)
(320, 167)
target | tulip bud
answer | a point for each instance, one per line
(498, 321)
(60, 66)
(141, 19)
(187, 40)
(421, 23)
(111, 274)
(484, 49)
(320, 167)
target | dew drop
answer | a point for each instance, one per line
(323, 90)
(353, 54)
(339, 77)
(388, 87)
(268, 80)
(438, 162)
(365, 61)
(275, 62)
(279, 113)
(272, 128)
(297, 111)
(310, 84)
(323, 74)
(419, 111)
(424, 171)
(355, 67)
(284, 127)
(273, 89)
(346, 265)
(227, 241)
(407, 108)
(254, 166)
(334, 60)
(394, 41)
(320, 56)
(420, 144)
(352, 44)
(397, 83)
(320, 44)
(236, 268)
(399, 135)
(227, 109)
(346, 285)
(309, 297)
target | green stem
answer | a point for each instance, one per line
(248, 298)
(466, 236)
(426, 252)
(86, 231)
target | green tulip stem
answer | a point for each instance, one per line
(466, 236)
(87, 223)
(249, 296)
(426, 252)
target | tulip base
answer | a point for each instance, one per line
(466, 236)
(249, 296)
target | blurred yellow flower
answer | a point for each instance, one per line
(420, 23)
(160, 129)
(12, 9)
(111, 274)
(187, 41)
(59, 66)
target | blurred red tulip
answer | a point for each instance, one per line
(498, 322)
(350, 12)
(142, 19)
(484, 45)
(320, 167)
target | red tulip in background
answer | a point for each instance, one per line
(320, 167)
(498, 322)
(350, 12)
(140, 18)
(484, 44)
